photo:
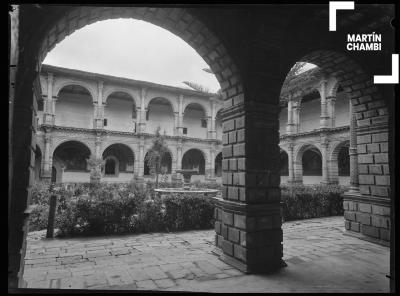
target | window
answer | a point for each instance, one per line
(134, 127)
(203, 123)
(147, 114)
(134, 112)
(105, 121)
(185, 130)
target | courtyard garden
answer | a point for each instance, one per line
(85, 209)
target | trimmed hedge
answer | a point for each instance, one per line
(304, 202)
(107, 213)
(96, 209)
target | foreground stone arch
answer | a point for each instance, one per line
(176, 20)
(250, 122)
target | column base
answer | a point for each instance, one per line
(294, 182)
(258, 268)
(249, 235)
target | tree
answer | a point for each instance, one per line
(156, 154)
(197, 86)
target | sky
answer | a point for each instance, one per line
(132, 49)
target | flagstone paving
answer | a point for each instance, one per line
(319, 257)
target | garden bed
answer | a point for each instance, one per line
(88, 209)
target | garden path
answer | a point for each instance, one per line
(320, 258)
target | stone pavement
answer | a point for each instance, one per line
(319, 256)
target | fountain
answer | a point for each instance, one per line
(186, 187)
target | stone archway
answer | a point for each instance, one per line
(160, 114)
(120, 112)
(76, 99)
(195, 121)
(119, 163)
(194, 159)
(72, 156)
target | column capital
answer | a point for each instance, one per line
(322, 82)
(331, 98)
(324, 143)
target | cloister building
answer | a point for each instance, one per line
(314, 130)
(86, 114)
(113, 118)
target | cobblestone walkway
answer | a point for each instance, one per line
(320, 258)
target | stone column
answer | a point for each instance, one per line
(178, 165)
(248, 217)
(212, 133)
(97, 145)
(291, 179)
(323, 123)
(95, 162)
(179, 156)
(47, 163)
(141, 157)
(331, 109)
(325, 156)
(211, 165)
(176, 124)
(49, 104)
(296, 115)
(142, 111)
(98, 121)
(179, 117)
(353, 189)
(290, 122)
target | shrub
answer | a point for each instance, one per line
(106, 209)
(303, 202)
(96, 209)
(188, 212)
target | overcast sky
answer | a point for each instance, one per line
(132, 49)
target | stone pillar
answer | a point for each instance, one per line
(290, 121)
(353, 189)
(47, 157)
(141, 158)
(179, 156)
(325, 156)
(98, 120)
(331, 110)
(178, 165)
(296, 115)
(323, 123)
(210, 169)
(176, 124)
(97, 145)
(212, 133)
(142, 111)
(48, 103)
(291, 179)
(248, 217)
(179, 117)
